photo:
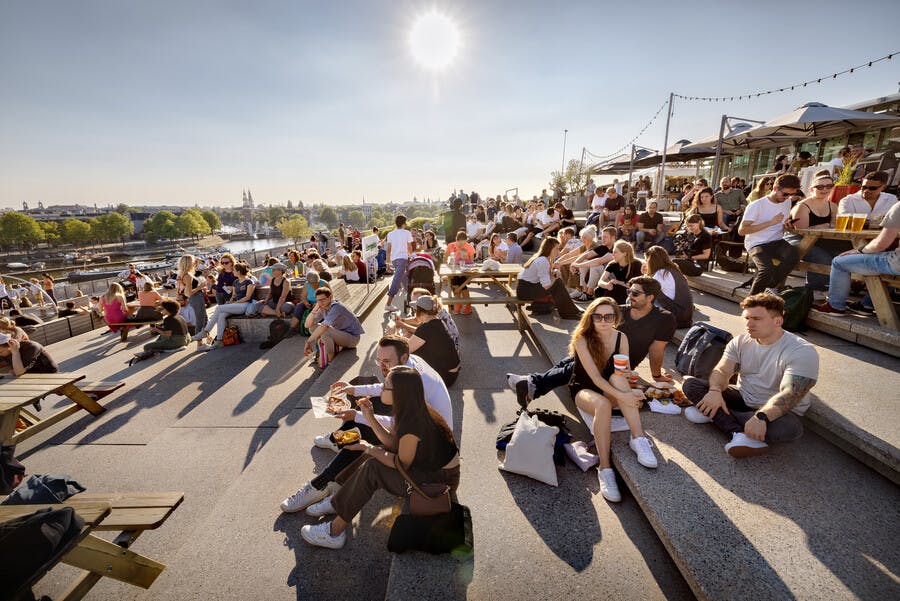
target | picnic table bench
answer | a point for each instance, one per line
(129, 514)
(17, 393)
(876, 285)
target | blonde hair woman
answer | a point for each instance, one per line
(597, 387)
(623, 267)
(114, 307)
(349, 270)
(188, 284)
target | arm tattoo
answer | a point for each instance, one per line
(792, 393)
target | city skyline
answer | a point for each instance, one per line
(173, 104)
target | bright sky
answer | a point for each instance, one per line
(173, 102)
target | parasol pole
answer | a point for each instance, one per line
(715, 170)
(662, 170)
(630, 169)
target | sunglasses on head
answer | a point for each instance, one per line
(607, 317)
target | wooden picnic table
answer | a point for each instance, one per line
(505, 278)
(17, 393)
(130, 514)
(877, 285)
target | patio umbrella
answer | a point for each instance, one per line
(680, 151)
(619, 164)
(742, 137)
(817, 120)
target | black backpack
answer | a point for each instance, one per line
(701, 350)
(797, 303)
(278, 329)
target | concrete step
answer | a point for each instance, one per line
(851, 401)
(865, 331)
(748, 525)
(531, 540)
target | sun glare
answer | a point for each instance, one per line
(434, 41)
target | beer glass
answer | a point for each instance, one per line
(858, 222)
(842, 223)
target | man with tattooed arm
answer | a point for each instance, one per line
(776, 370)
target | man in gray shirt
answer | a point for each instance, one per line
(731, 200)
(333, 323)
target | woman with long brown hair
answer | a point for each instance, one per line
(537, 281)
(420, 441)
(597, 387)
(115, 309)
(188, 284)
(676, 294)
(706, 206)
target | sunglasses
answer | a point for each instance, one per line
(871, 188)
(824, 187)
(635, 293)
(601, 317)
(225, 262)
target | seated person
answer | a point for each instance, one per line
(173, 332)
(276, 303)
(776, 370)
(432, 342)
(619, 271)
(676, 292)
(596, 387)
(149, 299)
(333, 323)
(321, 267)
(391, 352)
(187, 313)
(649, 330)
(304, 307)
(537, 282)
(462, 253)
(694, 259)
(24, 357)
(546, 222)
(871, 259)
(420, 440)
(514, 254)
(566, 217)
(613, 206)
(626, 223)
(405, 327)
(115, 309)
(69, 311)
(871, 200)
(591, 263)
(8, 326)
(23, 320)
(651, 228)
(360, 266)
(569, 253)
(763, 226)
(348, 270)
(242, 290)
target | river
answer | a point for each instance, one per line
(243, 246)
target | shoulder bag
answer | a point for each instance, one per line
(428, 499)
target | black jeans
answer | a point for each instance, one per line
(769, 275)
(564, 303)
(558, 375)
(786, 428)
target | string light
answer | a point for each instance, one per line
(833, 76)
(630, 142)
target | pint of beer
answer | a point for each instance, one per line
(858, 222)
(842, 222)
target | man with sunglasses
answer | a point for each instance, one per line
(763, 226)
(871, 199)
(649, 330)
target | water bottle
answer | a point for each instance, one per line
(451, 260)
(554, 314)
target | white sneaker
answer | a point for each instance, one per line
(575, 293)
(742, 445)
(200, 336)
(693, 415)
(303, 498)
(390, 308)
(513, 379)
(323, 441)
(209, 347)
(321, 508)
(320, 536)
(608, 487)
(644, 451)
(669, 409)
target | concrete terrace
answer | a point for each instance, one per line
(233, 429)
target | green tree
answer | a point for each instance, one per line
(16, 228)
(296, 228)
(329, 217)
(374, 222)
(75, 231)
(191, 223)
(273, 215)
(572, 180)
(212, 219)
(50, 230)
(115, 226)
(356, 218)
(160, 226)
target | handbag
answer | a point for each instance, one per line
(428, 499)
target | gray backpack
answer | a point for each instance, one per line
(701, 350)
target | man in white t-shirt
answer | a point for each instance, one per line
(399, 247)
(763, 227)
(871, 199)
(776, 371)
(547, 221)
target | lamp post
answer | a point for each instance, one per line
(562, 168)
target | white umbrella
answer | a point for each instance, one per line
(817, 120)
(742, 137)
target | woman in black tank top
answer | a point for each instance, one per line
(816, 211)
(596, 387)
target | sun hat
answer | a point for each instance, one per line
(426, 303)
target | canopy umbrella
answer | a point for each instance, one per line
(680, 151)
(618, 164)
(817, 120)
(739, 139)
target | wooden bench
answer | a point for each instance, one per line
(129, 514)
(55, 331)
(81, 323)
(98, 390)
(127, 325)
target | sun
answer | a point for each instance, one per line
(434, 41)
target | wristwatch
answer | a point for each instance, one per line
(762, 417)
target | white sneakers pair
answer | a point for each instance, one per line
(308, 495)
(741, 445)
(609, 488)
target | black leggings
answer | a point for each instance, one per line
(564, 304)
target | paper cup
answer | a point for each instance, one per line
(621, 364)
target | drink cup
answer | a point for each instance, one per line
(858, 222)
(621, 364)
(633, 379)
(842, 223)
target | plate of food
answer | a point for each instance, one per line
(343, 438)
(330, 406)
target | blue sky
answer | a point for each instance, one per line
(189, 102)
